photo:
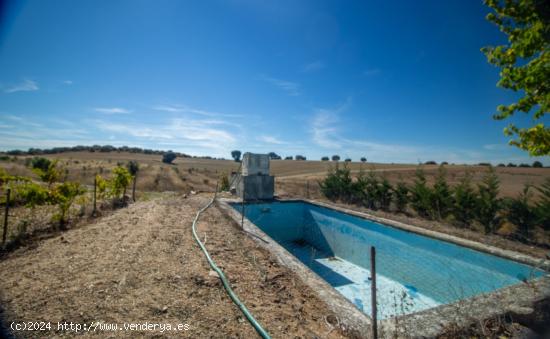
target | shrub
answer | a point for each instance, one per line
(324, 159)
(40, 163)
(401, 196)
(335, 158)
(101, 187)
(337, 184)
(524, 165)
(32, 194)
(501, 165)
(363, 159)
(290, 157)
(299, 157)
(133, 167)
(421, 195)
(430, 162)
(224, 182)
(511, 164)
(488, 204)
(119, 182)
(444, 163)
(385, 191)
(441, 197)
(537, 164)
(348, 160)
(168, 157)
(63, 195)
(465, 199)
(521, 213)
(51, 174)
(371, 193)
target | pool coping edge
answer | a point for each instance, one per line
(426, 323)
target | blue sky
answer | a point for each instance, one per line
(391, 81)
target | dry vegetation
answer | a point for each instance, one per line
(140, 263)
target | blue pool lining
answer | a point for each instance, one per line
(542, 264)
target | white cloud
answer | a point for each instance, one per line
(185, 133)
(324, 126)
(291, 88)
(187, 109)
(112, 110)
(68, 82)
(313, 66)
(271, 140)
(25, 86)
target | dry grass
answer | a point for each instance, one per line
(142, 264)
(188, 174)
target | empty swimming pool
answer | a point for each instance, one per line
(414, 272)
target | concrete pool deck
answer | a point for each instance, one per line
(515, 299)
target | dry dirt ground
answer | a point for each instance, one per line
(141, 264)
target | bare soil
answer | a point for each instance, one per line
(141, 264)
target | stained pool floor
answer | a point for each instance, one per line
(354, 283)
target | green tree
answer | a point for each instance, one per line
(64, 195)
(521, 213)
(543, 205)
(168, 157)
(337, 184)
(465, 199)
(488, 204)
(133, 167)
(41, 163)
(385, 192)
(421, 195)
(441, 196)
(51, 174)
(401, 196)
(524, 63)
(101, 187)
(371, 196)
(119, 182)
(236, 155)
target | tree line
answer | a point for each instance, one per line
(461, 204)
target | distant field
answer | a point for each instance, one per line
(292, 176)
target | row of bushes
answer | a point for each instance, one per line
(462, 203)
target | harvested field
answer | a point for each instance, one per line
(198, 174)
(141, 264)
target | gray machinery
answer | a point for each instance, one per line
(254, 181)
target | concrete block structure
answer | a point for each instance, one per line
(254, 181)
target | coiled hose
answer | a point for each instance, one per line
(263, 333)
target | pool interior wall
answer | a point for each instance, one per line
(414, 272)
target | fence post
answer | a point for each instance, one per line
(94, 211)
(5, 233)
(242, 211)
(134, 188)
(373, 292)
(307, 189)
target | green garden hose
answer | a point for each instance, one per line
(263, 333)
